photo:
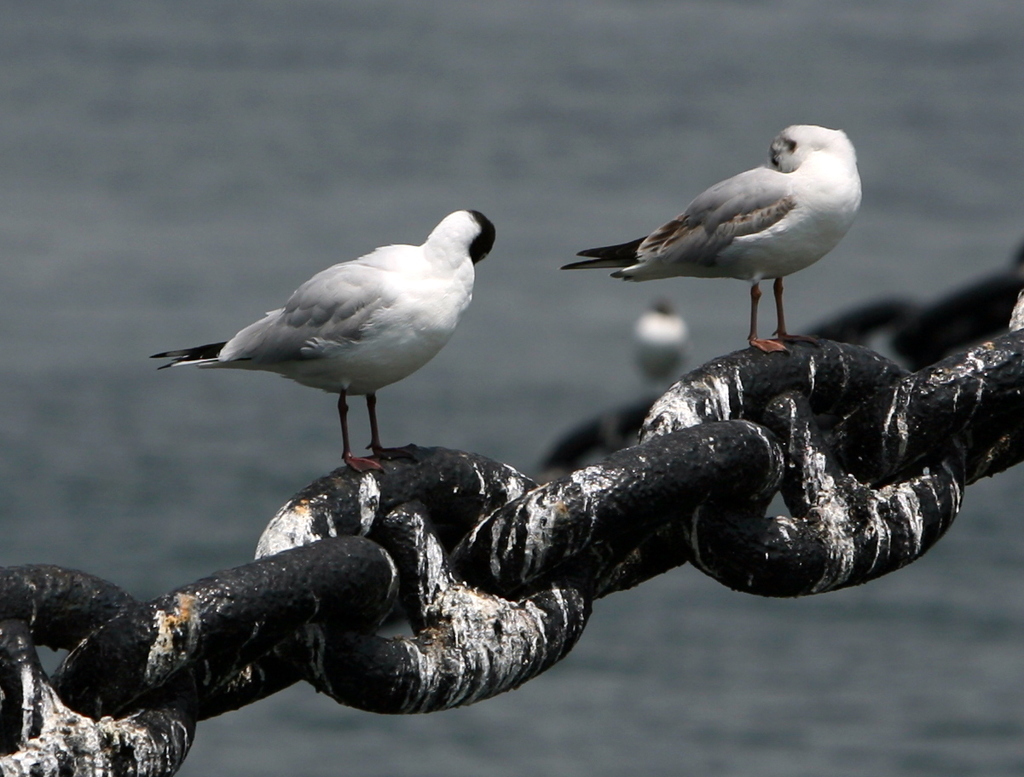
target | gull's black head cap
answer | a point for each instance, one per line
(484, 242)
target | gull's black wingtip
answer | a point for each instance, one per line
(590, 264)
(166, 355)
(186, 355)
(617, 256)
(577, 265)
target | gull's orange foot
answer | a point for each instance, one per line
(768, 346)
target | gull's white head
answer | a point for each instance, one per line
(794, 144)
(469, 229)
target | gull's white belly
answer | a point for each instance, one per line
(782, 249)
(365, 366)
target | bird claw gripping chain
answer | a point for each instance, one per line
(496, 574)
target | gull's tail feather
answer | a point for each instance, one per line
(622, 255)
(201, 354)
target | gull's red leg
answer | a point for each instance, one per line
(765, 345)
(358, 463)
(781, 333)
(379, 450)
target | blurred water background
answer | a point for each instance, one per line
(170, 170)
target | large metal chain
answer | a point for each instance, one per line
(495, 573)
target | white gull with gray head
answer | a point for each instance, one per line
(363, 324)
(767, 222)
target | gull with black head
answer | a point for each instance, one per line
(363, 324)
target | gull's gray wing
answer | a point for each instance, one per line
(327, 312)
(742, 205)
